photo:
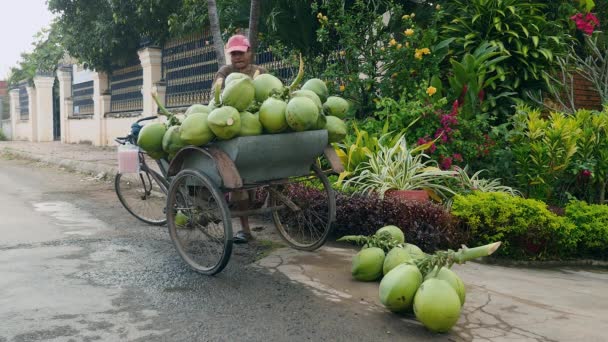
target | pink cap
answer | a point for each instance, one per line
(237, 42)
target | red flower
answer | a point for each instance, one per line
(586, 23)
(446, 163)
(481, 95)
(585, 173)
(455, 106)
(457, 157)
(465, 88)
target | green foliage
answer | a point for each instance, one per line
(560, 155)
(47, 52)
(522, 30)
(397, 167)
(367, 54)
(105, 34)
(474, 183)
(591, 234)
(525, 226)
(474, 82)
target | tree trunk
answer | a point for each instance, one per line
(218, 43)
(254, 18)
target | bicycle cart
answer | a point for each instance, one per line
(280, 170)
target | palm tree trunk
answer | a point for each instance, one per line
(218, 43)
(254, 18)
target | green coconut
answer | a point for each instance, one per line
(197, 108)
(336, 129)
(181, 220)
(367, 264)
(318, 86)
(452, 278)
(150, 138)
(157, 154)
(172, 141)
(238, 94)
(336, 106)
(398, 287)
(436, 305)
(195, 129)
(225, 122)
(395, 257)
(250, 124)
(272, 115)
(235, 76)
(264, 85)
(301, 113)
(395, 232)
(311, 95)
(321, 121)
(414, 251)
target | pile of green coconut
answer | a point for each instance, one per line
(411, 280)
(247, 107)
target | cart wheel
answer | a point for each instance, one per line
(199, 222)
(309, 208)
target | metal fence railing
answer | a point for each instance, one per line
(189, 65)
(24, 103)
(125, 88)
(82, 96)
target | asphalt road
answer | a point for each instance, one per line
(75, 266)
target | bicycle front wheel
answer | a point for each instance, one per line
(199, 222)
(143, 196)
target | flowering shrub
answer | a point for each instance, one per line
(586, 23)
(377, 55)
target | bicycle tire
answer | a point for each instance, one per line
(199, 237)
(140, 197)
(315, 215)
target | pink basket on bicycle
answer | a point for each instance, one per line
(128, 158)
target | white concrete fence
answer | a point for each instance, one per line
(98, 129)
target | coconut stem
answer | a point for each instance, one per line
(381, 241)
(218, 91)
(299, 77)
(465, 254)
(171, 119)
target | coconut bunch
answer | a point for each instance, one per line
(412, 280)
(246, 107)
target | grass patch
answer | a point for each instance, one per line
(266, 247)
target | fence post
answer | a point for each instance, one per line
(64, 76)
(100, 88)
(106, 107)
(32, 115)
(14, 110)
(151, 63)
(44, 108)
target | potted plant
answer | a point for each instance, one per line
(395, 170)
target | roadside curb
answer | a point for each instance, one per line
(543, 264)
(72, 165)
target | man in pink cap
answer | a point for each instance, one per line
(240, 55)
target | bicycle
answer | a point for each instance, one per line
(143, 194)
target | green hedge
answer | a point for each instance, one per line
(591, 234)
(526, 227)
(529, 230)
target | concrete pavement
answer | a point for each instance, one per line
(503, 303)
